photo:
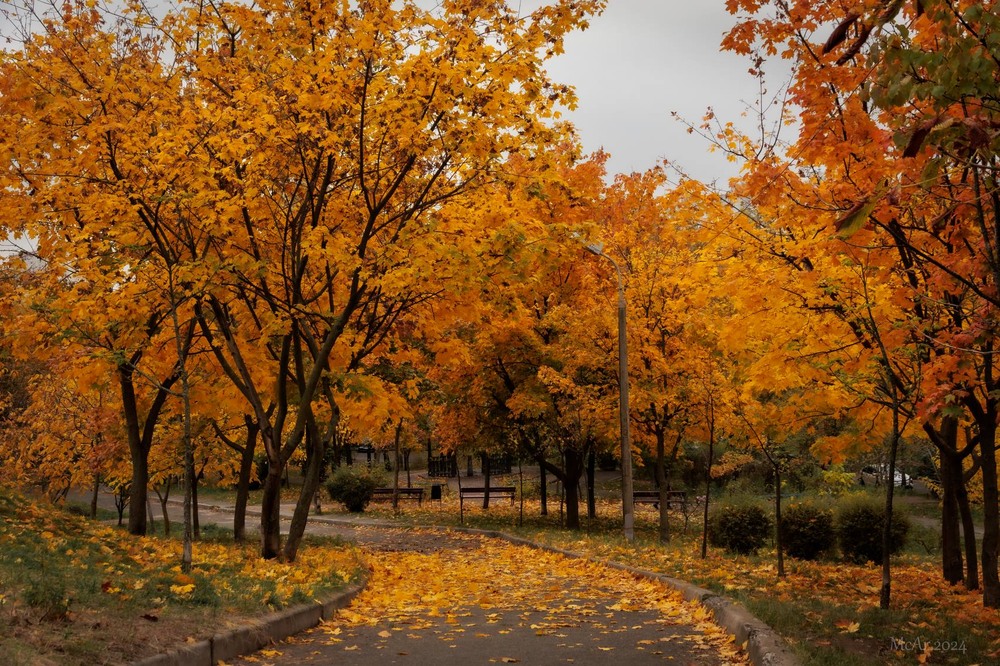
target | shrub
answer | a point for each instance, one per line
(859, 530)
(836, 482)
(353, 485)
(740, 528)
(807, 531)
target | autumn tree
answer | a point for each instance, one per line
(293, 168)
(896, 146)
(382, 118)
(521, 370)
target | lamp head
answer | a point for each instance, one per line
(595, 248)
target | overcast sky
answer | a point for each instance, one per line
(643, 59)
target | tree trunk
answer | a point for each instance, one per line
(543, 487)
(138, 487)
(243, 486)
(485, 458)
(574, 470)
(395, 466)
(661, 483)
(777, 522)
(93, 496)
(270, 507)
(140, 440)
(991, 510)
(121, 501)
(968, 530)
(708, 481)
(316, 446)
(946, 439)
(591, 474)
(195, 518)
(164, 497)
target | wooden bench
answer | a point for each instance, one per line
(676, 499)
(479, 493)
(385, 494)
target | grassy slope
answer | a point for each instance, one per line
(77, 592)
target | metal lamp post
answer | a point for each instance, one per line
(627, 500)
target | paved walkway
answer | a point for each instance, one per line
(437, 597)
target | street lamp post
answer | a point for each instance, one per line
(627, 501)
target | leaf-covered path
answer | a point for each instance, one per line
(435, 597)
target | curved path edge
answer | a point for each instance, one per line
(257, 633)
(764, 645)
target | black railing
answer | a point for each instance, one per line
(501, 464)
(442, 466)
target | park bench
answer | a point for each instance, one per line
(479, 493)
(676, 499)
(385, 494)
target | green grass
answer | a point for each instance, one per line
(80, 592)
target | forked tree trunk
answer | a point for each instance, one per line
(139, 485)
(270, 507)
(310, 485)
(968, 531)
(164, 497)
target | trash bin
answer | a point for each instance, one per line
(436, 491)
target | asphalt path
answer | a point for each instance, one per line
(442, 598)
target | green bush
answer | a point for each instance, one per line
(836, 482)
(807, 531)
(353, 485)
(859, 530)
(739, 528)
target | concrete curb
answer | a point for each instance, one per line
(256, 634)
(763, 644)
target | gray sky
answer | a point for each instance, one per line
(643, 59)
